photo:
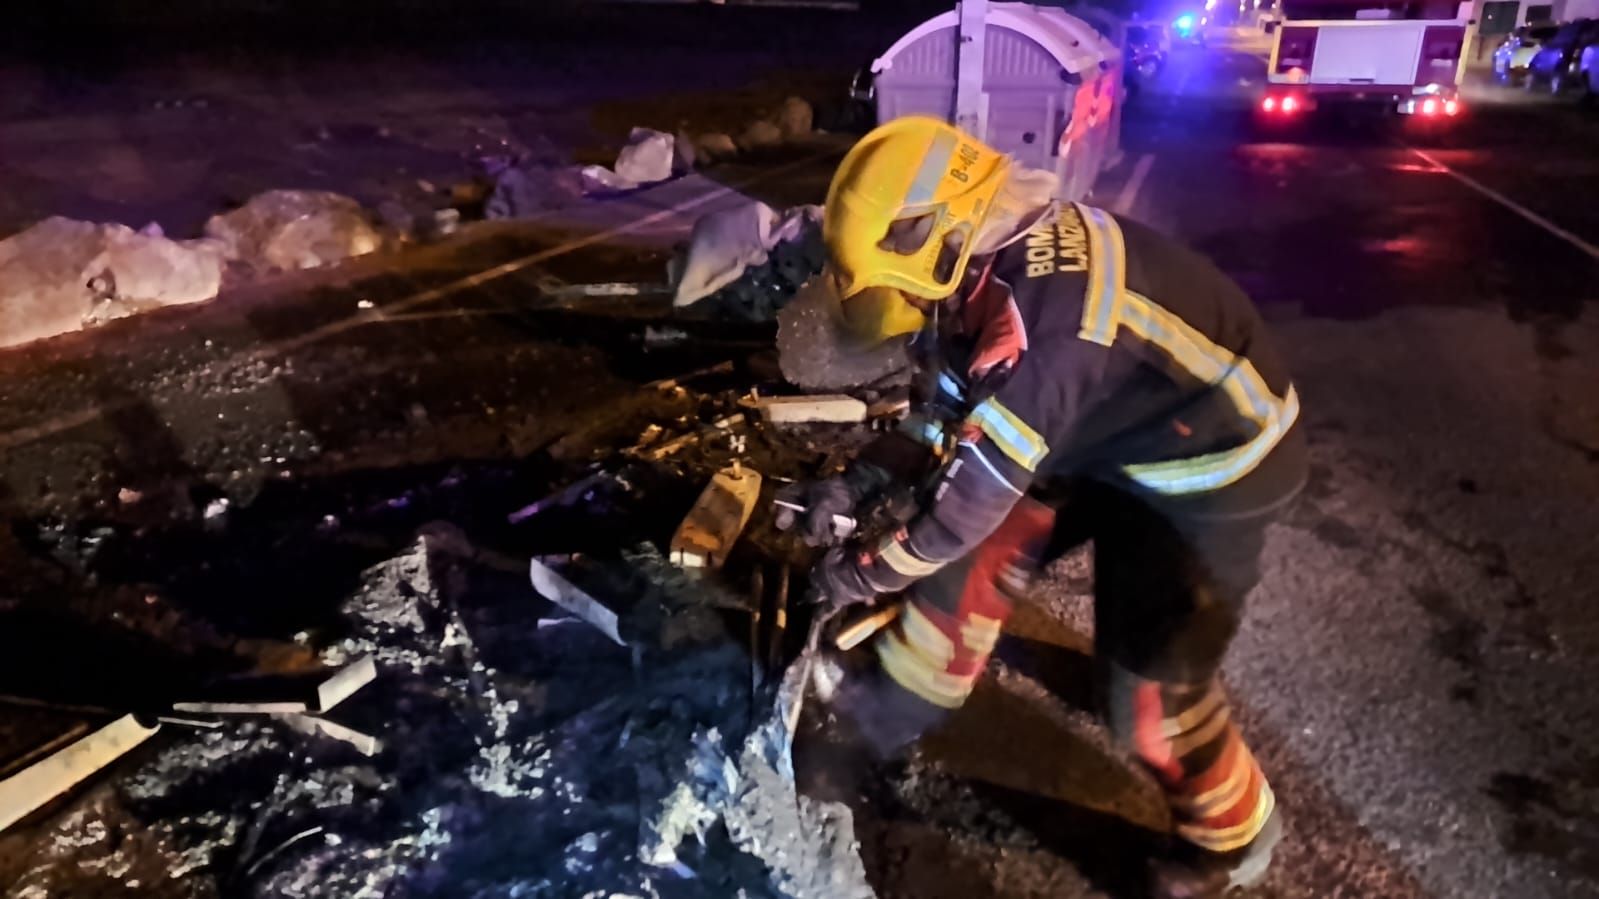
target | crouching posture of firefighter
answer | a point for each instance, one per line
(1058, 344)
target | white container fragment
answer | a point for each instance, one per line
(724, 243)
(1038, 83)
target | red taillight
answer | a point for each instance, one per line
(1290, 104)
(1269, 104)
(1451, 107)
(1429, 107)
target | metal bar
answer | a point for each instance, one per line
(239, 708)
(779, 619)
(562, 497)
(757, 600)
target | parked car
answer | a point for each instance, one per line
(1518, 48)
(1558, 63)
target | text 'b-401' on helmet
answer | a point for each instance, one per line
(905, 206)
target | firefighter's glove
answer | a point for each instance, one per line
(837, 582)
(819, 502)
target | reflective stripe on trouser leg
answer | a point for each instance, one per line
(1219, 798)
(940, 645)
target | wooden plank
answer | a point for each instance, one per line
(856, 632)
(718, 517)
(28, 790)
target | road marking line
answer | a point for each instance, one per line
(71, 420)
(1135, 182)
(1512, 205)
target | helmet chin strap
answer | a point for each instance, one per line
(930, 352)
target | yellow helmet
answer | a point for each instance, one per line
(902, 214)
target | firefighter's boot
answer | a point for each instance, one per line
(1194, 873)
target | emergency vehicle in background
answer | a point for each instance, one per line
(1404, 56)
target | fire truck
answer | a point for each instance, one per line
(1403, 56)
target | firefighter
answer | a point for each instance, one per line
(1060, 350)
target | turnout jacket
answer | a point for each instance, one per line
(1095, 347)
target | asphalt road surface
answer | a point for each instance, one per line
(1415, 671)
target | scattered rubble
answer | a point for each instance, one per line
(760, 135)
(289, 230)
(685, 157)
(715, 147)
(795, 118)
(658, 451)
(518, 761)
(62, 274)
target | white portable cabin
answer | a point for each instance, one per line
(1033, 81)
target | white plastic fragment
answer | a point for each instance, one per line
(647, 159)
